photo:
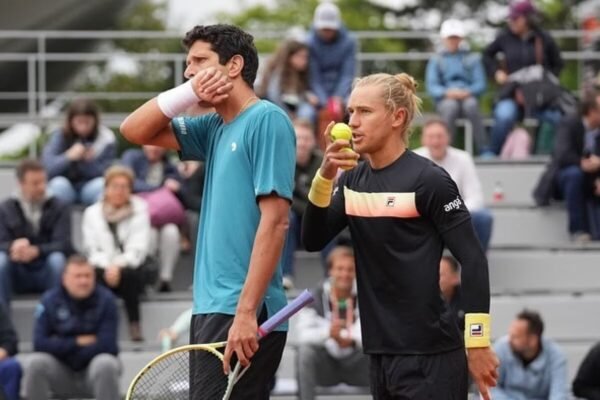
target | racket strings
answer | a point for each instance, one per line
(185, 375)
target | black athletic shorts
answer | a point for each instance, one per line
(442, 376)
(258, 380)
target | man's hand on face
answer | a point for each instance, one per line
(211, 86)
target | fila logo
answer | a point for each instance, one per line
(476, 330)
(453, 205)
(233, 146)
(390, 202)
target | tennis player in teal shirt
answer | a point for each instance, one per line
(249, 148)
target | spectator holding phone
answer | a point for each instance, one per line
(329, 331)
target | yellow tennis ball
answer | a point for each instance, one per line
(341, 131)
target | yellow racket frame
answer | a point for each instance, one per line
(210, 347)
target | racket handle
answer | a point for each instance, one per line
(285, 313)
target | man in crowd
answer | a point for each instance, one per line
(459, 164)
(75, 339)
(575, 160)
(35, 235)
(531, 366)
(450, 286)
(332, 64)
(329, 331)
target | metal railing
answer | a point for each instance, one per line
(37, 96)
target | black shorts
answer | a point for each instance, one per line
(258, 380)
(441, 376)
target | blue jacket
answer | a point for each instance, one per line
(137, 161)
(59, 319)
(79, 172)
(460, 70)
(544, 379)
(332, 65)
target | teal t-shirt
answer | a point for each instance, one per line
(253, 155)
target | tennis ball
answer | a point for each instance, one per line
(341, 131)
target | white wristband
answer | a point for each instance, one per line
(175, 101)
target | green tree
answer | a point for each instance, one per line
(150, 76)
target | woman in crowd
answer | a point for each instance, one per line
(116, 237)
(77, 155)
(285, 81)
(522, 45)
(155, 173)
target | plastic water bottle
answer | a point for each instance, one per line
(166, 343)
(498, 195)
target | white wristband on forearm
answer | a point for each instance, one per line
(175, 101)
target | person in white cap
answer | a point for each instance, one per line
(455, 78)
(332, 61)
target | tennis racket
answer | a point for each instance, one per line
(170, 376)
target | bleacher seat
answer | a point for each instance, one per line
(543, 270)
(529, 227)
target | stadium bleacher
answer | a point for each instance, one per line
(532, 264)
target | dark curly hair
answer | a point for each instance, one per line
(227, 41)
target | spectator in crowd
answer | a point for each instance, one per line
(285, 81)
(574, 161)
(116, 238)
(531, 366)
(522, 45)
(154, 171)
(308, 161)
(77, 155)
(192, 191)
(329, 331)
(332, 63)
(192, 185)
(75, 339)
(455, 78)
(450, 286)
(587, 381)
(10, 369)
(35, 235)
(435, 139)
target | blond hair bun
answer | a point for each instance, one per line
(408, 82)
